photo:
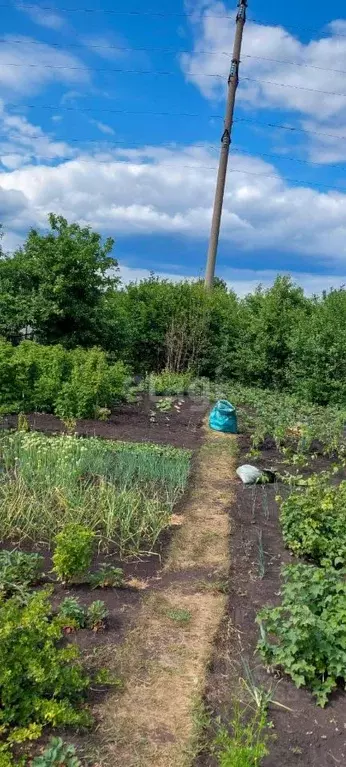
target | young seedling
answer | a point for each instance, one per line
(57, 754)
(261, 555)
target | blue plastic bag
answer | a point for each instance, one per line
(223, 417)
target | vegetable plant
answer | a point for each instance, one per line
(73, 552)
(313, 521)
(42, 681)
(306, 634)
(107, 577)
(97, 614)
(57, 754)
(18, 570)
(72, 614)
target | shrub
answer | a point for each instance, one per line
(57, 754)
(72, 384)
(169, 384)
(72, 614)
(314, 521)
(306, 634)
(18, 571)
(41, 681)
(73, 552)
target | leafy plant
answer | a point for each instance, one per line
(246, 743)
(306, 633)
(23, 423)
(72, 614)
(97, 614)
(57, 754)
(18, 570)
(107, 577)
(73, 552)
(313, 521)
(164, 405)
(42, 681)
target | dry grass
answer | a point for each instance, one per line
(164, 659)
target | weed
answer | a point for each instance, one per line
(179, 615)
(261, 555)
(73, 552)
(23, 423)
(246, 743)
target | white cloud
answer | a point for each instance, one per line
(42, 16)
(170, 191)
(22, 142)
(273, 42)
(103, 127)
(25, 68)
(244, 281)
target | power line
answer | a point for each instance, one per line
(57, 107)
(294, 87)
(172, 51)
(122, 70)
(165, 14)
(290, 128)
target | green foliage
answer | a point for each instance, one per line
(313, 521)
(76, 383)
(41, 680)
(179, 615)
(72, 614)
(57, 754)
(169, 383)
(306, 634)
(18, 571)
(107, 577)
(246, 744)
(56, 284)
(73, 552)
(97, 615)
(124, 492)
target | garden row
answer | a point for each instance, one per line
(306, 634)
(288, 553)
(91, 502)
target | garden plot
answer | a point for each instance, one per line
(284, 666)
(82, 525)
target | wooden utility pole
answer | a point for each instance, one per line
(225, 144)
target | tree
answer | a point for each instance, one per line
(56, 283)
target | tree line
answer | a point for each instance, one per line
(63, 287)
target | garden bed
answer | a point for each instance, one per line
(141, 421)
(305, 735)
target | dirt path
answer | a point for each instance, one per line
(156, 720)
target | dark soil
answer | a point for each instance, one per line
(137, 422)
(306, 736)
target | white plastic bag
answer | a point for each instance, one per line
(249, 475)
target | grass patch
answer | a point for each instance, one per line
(124, 492)
(179, 615)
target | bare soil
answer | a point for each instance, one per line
(306, 736)
(140, 421)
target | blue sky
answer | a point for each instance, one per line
(113, 118)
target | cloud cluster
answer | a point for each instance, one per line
(170, 191)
